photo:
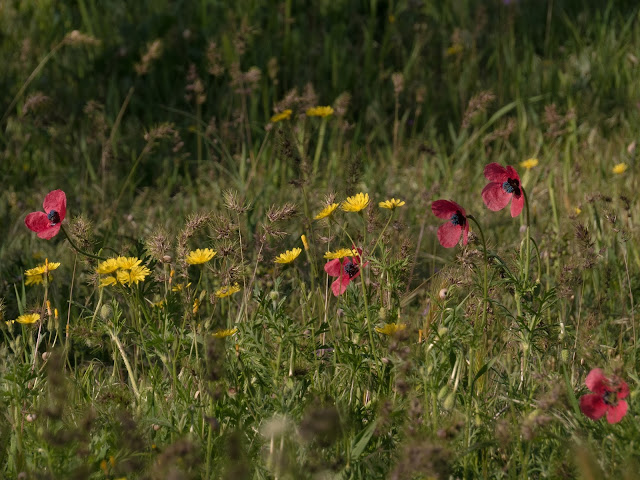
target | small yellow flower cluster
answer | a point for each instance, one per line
(391, 328)
(357, 203)
(37, 275)
(227, 291)
(343, 252)
(319, 112)
(122, 270)
(620, 168)
(199, 256)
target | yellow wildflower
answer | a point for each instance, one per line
(326, 211)
(127, 263)
(529, 163)
(620, 168)
(108, 281)
(110, 265)
(319, 112)
(343, 252)
(196, 305)
(454, 49)
(28, 318)
(225, 333)
(36, 275)
(288, 256)
(180, 286)
(201, 255)
(136, 275)
(577, 210)
(391, 204)
(391, 328)
(305, 244)
(284, 115)
(356, 203)
(228, 290)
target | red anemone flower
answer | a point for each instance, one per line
(47, 224)
(346, 269)
(606, 397)
(449, 233)
(504, 187)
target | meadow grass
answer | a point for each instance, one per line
(184, 322)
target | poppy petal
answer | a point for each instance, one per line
(339, 286)
(333, 267)
(511, 173)
(445, 208)
(56, 200)
(494, 196)
(623, 390)
(37, 221)
(615, 413)
(496, 173)
(516, 205)
(593, 406)
(596, 381)
(50, 232)
(449, 234)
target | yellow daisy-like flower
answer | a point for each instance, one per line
(228, 290)
(343, 252)
(136, 275)
(127, 263)
(326, 211)
(288, 256)
(34, 280)
(620, 168)
(41, 269)
(284, 115)
(391, 328)
(179, 287)
(201, 255)
(356, 203)
(110, 265)
(529, 163)
(577, 210)
(391, 204)
(28, 318)
(319, 112)
(227, 332)
(108, 281)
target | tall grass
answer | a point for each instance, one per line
(469, 362)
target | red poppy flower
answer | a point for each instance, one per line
(606, 397)
(346, 269)
(47, 224)
(504, 187)
(449, 233)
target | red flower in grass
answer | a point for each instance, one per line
(346, 269)
(449, 233)
(47, 224)
(606, 397)
(504, 187)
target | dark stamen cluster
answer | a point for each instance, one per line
(458, 219)
(512, 186)
(54, 217)
(352, 269)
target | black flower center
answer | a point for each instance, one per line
(54, 217)
(351, 268)
(458, 219)
(610, 398)
(512, 186)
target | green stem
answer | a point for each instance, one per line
(77, 249)
(316, 157)
(485, 281)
